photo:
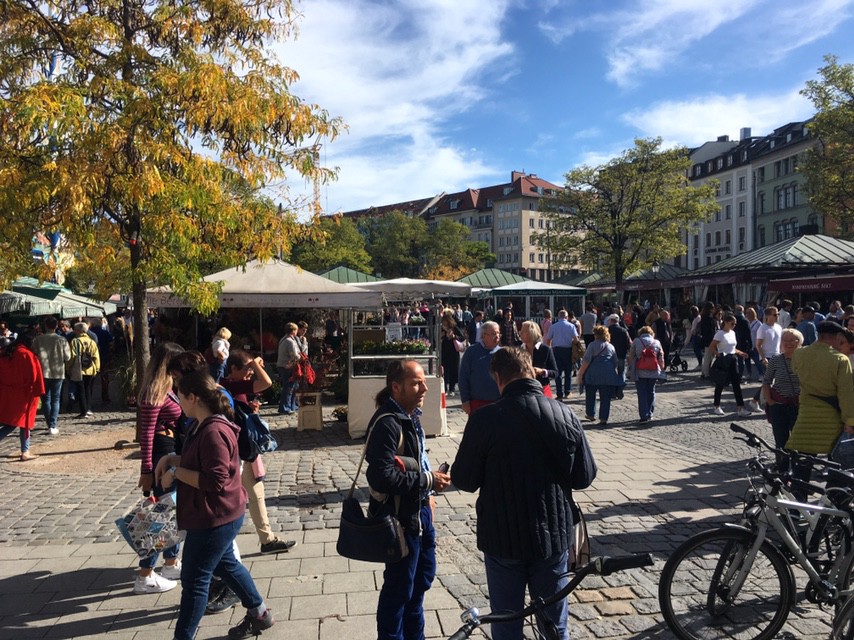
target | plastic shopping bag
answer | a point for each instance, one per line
(151, 526)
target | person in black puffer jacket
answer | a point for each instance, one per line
(525, 453)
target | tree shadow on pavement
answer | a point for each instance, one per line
(70, 604)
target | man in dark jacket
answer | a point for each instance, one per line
(401, 482)
(525, 453)
(743, 339)
(621, 343)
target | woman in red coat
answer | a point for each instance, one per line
(21, 386)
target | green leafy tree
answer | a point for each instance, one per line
(148, 143)
(396, 244)
(620, 217)
(829, 167)
(336, 243)
(449, 255)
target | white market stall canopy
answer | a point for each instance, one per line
(12, 302)
(537, 288)
(407, 288)
(275, 284)
(66, 303)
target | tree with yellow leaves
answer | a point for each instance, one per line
(146, 131)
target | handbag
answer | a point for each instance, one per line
(369, 538)
(579, 553)
(151, 526)
(720, 371)
(460, 345)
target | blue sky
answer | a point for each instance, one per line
(442, 95)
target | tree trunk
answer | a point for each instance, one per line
(141, 352)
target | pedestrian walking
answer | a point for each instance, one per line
(21, 384)
(598, 374)
(645, 362)
(724, 352)
(53, 353)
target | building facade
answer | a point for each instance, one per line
(504, 216)
(761, 195)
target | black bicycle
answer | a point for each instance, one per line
(544, 628)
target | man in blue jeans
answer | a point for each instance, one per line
(525, 453)
(53, 352)
(401, 482)
(560, 337)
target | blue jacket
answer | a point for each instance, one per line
(475, 381)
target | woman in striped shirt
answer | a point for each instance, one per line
(781, 388)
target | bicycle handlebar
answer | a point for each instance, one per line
(755, 441)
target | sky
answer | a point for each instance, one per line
(445, 95)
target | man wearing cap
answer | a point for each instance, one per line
(827, 396)
(807, 325)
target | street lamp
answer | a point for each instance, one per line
(655, 268)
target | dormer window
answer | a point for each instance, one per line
(454, 204)
(507, 190)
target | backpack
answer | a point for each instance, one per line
(648, 360)
(85, 358)
(254, 437)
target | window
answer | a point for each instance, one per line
(501, 241)
(541, 223)
(540, 257)
(531, 223)
(742, 183)
(532, 206)
(728, 187)
(531, 257)
(730, 159)
(718, 215)
(720, 163)
(761, 198)
(761, 231)
(708, 260)
(696, 263)
(717, 238)
(718, 258)
(729, 212)
(489, 203)
(787, 197)
(778, 169)
(742, 206)
(786, 167)
(741, 234)
(698, 170)
(455, 204)
(708, 240)
(779, 199)
(728, 237)
(795, 227)
(717, 191)
(761, 174)
(515, 239)
(794, 195)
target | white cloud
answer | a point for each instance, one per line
(704, 118)
(397, 73)
(648, 37)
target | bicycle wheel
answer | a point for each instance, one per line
(699, 590)
(843, 622)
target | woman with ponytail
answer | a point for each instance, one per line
(210, 507)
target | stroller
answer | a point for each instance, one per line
(675, 360)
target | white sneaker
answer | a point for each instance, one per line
(171, 571)
(744, 413)
(153, 583)
(54, 431)
(753, 405)
(718, 411)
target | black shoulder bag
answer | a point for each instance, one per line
(365, 537)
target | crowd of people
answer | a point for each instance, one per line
(523, 447)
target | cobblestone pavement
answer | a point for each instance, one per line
(65, 573)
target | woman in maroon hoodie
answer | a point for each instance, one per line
(211, 505)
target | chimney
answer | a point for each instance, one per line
(744, 133)
(723, 138)
(515, 175)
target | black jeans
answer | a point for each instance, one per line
(735, 381)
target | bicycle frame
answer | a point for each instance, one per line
(769, 516)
